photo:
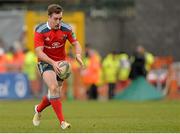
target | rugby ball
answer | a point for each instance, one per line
(65, 69)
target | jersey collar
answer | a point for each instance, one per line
(48, 26)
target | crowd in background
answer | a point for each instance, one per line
(102, 77)
(112, 71)
(16, 59)
(115, 70)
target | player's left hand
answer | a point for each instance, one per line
(79, 60)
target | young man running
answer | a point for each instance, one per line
(49, 42)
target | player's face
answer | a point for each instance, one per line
(55, 20)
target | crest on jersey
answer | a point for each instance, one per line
(64, 37)
(47, 39)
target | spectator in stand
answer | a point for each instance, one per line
(141, 62)
(3, 61)
(123, 71)
(149, 58)
(16, 57)
(110, 67)
(91, 74)
(30, 69)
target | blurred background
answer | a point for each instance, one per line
(130, 48)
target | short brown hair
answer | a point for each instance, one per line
(54, 8)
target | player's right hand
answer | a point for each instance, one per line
(56, 67)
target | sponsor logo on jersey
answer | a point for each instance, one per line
(55, 45)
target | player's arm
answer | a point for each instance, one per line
(78, 51)
(76, 44)
(43, 57)
(39, 45)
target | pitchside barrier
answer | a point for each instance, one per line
(14, 86)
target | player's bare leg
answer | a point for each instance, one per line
(54, 96)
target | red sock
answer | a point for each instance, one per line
(44, 103)
(57, 106)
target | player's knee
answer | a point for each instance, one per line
(54, 89)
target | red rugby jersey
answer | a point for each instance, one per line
(53, 41)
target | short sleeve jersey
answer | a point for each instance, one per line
(53, 41)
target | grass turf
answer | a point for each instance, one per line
(93, 116)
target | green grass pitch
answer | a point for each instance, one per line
(93, 116)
